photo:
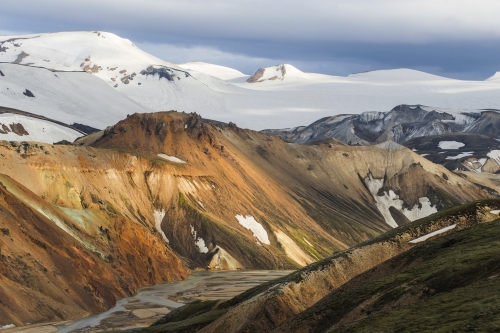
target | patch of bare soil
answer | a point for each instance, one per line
(20, 57)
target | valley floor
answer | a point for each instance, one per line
(152, 303)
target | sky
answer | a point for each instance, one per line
(458, 39)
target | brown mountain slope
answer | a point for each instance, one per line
(54, 269)
(242, 200)
(446, 285)
(359, 282)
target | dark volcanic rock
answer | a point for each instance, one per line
(85, 128)
(28, 93)
(401, 124)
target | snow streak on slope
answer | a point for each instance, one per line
(432, 234)
(171, 158)
(257, 229)
(159, 215)
(198, 241)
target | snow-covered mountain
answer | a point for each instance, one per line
(65, 96)
(467, 140)
(143, 82)
(131, 80)
(278, 73)
(16, 127)
(219, 72)
(400, 124)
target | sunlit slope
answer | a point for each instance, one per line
(58, 263)
(159, 192)
(433, 273)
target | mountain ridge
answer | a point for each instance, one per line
(289, 103)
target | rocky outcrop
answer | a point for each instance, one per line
(272, 73)
(256, 76)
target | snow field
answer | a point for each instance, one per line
(7, 327)
(477, 165)
(255, 227)
(432, 234)
(198, 241)
(171, 158)
(391, 199)
(159, 215)
(220, 72)
(494, 155)
(39, 130)
(450, 144)
(465, 154)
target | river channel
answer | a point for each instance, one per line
(153, 302)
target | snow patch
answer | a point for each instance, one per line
(450, 144)
(383, 202)
(496, 212)
(171, 158)
(417, 213)
(198, 241)
(255, 227)
(465, 154)
(424, 155)
(159, 215)
(477, 165)
(432, 234)
(7, 326)
(391, 199)
(494, 155)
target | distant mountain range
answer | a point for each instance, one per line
(459, 139)
(97, 78)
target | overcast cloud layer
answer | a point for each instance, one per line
(454, 38)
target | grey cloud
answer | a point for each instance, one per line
(452, 38)
(382, 21)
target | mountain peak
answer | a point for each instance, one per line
(494, 77)
(277, 73)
